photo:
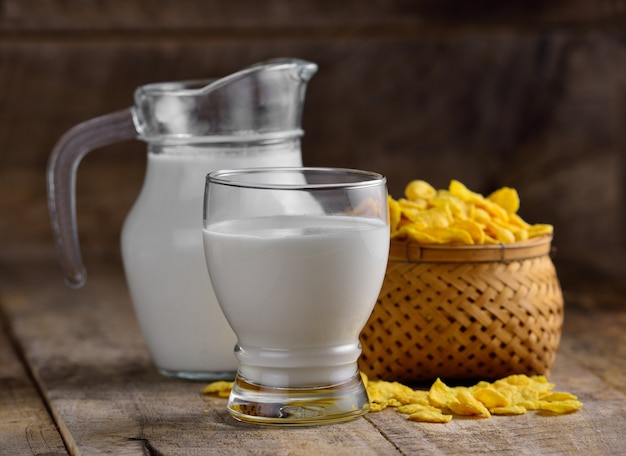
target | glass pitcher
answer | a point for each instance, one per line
(251, 118)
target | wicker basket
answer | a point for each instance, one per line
(464, 312)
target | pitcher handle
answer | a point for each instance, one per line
(61, 182)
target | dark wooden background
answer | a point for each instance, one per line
(528, 94)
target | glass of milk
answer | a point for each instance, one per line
(296, 257)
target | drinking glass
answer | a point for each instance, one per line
(297, 257)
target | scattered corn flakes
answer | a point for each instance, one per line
(458, 215)
(512, 395)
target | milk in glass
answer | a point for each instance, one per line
(297, 290)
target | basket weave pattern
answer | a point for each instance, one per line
(465, 319)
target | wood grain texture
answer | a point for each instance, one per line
(540, 113)
(596, 429)
(109, 399)
(199, 15)
(90, 15)
(88, 355)
(26, 428)
(523, 94)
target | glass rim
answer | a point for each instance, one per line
(224, 177)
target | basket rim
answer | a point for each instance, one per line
(402, 251)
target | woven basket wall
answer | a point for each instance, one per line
(464, 312)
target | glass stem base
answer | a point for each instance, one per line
(306, 406)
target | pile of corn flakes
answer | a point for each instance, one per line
(512, 395)
(459, 216)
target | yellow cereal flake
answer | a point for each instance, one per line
(378, 407)
(417, 235)
(507, 198)
(220, 388)
(467, 405)
(410, 409)
(473, 229)
(500, 233)
(557, 396)
(516, 220)
(521, 234)
(458, 189)
(430, 416)
(528, 404)
(540, 229)
(368, 207)
(441, 394)
(457, 215)
(395, 213)
(394, 394)
(560, 407)
(437, 216)
(492, 398)
(419, 189)
(459, 208)
(509, 410)
(442, 235)
(417, 204)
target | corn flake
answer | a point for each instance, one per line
(220, 388)
(395, 213)
(430, 416)
(507, 198)
(509, 410)
(419, 189)
(492, 398)
(466, 404)
(559, 407)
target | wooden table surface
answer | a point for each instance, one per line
(75, 378)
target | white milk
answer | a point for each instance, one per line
(184, 328)
(297, 290)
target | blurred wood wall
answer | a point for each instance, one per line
(527, 94)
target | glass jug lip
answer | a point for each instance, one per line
(320, 178)
(240, 137)
(195, 87)
(184, 87)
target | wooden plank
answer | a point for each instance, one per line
(193, 15)
(88, 354)
(596, 429)
(88, 15)
(25, 425)
(598, 342)
(487, 109)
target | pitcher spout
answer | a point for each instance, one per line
(262, 102)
